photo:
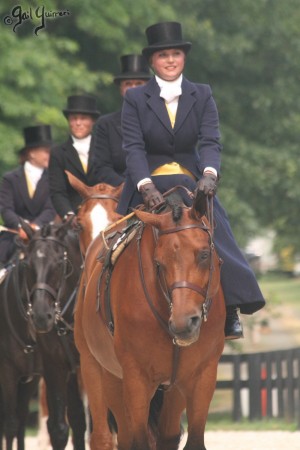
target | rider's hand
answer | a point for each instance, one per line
(151, 196)
(34, 226)
(22, 234)
(208, 184)
(72, 219)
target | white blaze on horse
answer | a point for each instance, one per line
(97, 210)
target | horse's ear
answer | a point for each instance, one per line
(118, 190)
(199, 205)
(63, 229)
(78, 185)
(152, 219)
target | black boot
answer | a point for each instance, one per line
(233, 325)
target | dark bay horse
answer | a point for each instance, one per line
(52, 270)
(20, 362)
(164, 298)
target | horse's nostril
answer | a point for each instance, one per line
(194, 322)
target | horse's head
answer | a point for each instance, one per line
(97, 209)
(187, 267)
(52, 269)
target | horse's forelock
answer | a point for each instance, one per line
(175, 202)
(46, 230)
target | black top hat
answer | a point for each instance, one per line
(134, 67)
(163, 36)
(82, 104)
(37, 136)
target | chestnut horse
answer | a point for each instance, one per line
(158, 295)
(97, 209)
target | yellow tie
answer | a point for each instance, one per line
(30, 187)
(84, 165)
(172, 116)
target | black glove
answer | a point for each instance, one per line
(151, 196)
(72, 219)
(208, 184)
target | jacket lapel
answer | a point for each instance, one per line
(185, 104)
(23, 190)
(72, 155)
(157, 104)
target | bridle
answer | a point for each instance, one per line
(182, 284)
(62, 326)
(204, 292)
(99, 197)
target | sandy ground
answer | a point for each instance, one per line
(229, 440)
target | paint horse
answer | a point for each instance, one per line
(153, 320)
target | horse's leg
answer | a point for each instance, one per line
(199, 395)
(170, 420)
(9, 383)
(25, 393)
(1, 420)
(113, 393)
(43, 435)
(101, 436)
(56, 390)
(137, 394)
(91, 371)
(76, 414)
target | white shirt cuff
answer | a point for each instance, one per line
(143, 181)
(211, 170)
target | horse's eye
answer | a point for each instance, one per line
(203, 256)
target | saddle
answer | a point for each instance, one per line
(115, 244)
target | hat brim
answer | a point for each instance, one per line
(135, 76)
(34, 145)
(67, 112)
(148, 51)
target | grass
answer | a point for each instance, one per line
(281, 289)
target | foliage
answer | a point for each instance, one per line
(247, 51)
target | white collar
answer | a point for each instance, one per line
(85, 142)
(33, 172)
(169, 90)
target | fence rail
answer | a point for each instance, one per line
(268, 382)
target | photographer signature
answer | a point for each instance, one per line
(18, 16)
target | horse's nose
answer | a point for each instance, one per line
(42, 323)
(185, 327)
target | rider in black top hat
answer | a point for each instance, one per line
(73, 155)
(109, 158)
(171, 137)
(24, 192)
